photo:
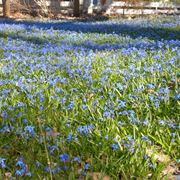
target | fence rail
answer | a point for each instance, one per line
(120, 7)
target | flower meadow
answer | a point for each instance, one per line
(84, 97)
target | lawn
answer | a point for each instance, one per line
(90, 99)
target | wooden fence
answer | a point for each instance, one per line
(124, 8)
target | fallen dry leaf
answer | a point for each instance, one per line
(7, 175)
(158, 156)
(98, 176)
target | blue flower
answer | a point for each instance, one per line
(71, 105)
(4, 114)
(22, 167)
(84, 106)
(107, 114)
(145, 138)
(77, 159)
(46, 168)
(106, 136)
(161, 122)
(63, 157)
(145, 157)
(2, 163)
(121, 104)
(85, 129)
(70, 137)
(87, 166)
(65, 167)
(19, 172)
(115, 146)
(130, 138)
(21, 164)
(30, 130)
(29, 174)
(52, 148)
(38, 164)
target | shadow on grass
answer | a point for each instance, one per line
(89, 26)
(93, 26)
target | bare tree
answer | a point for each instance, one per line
(76, 12)
(6, 8)
(43, 6)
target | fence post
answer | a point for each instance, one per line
(90, 8)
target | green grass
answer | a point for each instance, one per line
(115, 109)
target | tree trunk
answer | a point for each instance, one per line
(6, 8)
(76, 12)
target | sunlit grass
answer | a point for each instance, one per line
(73, 103)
